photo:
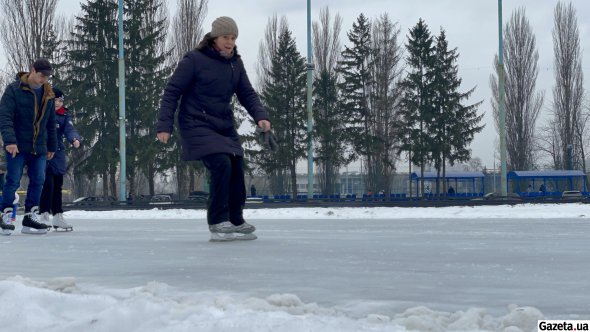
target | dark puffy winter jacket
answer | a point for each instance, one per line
(206, 81)
(24, 123)
(65, 128)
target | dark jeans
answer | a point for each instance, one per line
(227, 194)
(14, 172)
(51, 194)
(1, 181)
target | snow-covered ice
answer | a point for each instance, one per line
(489, 268)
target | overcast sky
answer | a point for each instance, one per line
(471, 26)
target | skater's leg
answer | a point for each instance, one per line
(46, 194)
(59, 221)
(56, 200)
(237, 200)
(36, 171)
(237, 192)
(14, 172)
(219, 165)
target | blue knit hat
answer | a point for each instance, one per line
(58, 93)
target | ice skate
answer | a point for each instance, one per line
(31, 224)
(245, 237)
(244, 228)
(224, 231)
(44, 218)
(59, 223)
(6, 222)
(222, 227)
(225, 237)
(222, 237)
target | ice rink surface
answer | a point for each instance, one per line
(363, 269)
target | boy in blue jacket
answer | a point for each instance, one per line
(51, 200)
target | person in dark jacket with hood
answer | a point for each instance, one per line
(27, 124)
(51, 200)
(205, 81)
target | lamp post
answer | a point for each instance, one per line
(309, 105)
(122, 147)
(502, 106)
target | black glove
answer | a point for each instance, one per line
(267, 140)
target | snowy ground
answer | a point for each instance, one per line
(485, 268)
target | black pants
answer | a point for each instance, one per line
(51, 194)
(227, 194)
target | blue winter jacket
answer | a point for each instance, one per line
(25, 123)
(65, 128)
(205, 82)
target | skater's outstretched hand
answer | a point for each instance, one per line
(264, 125)
(267, 140)
(163, 137)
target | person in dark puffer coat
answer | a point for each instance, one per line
(205, 81)
(51, 200)
(27, 124)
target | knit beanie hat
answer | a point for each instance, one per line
(224, 26)
(58, 93)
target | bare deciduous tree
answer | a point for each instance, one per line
(326, 39)
(186, 32)
(25, 27)
(268, 47)
(328, 128)
(523, 103)
(548, 143)
(3, 82)
(187, 27)
(568, 93)
(385, 97)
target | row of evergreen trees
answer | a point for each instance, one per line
(88, 71)
(366, 106)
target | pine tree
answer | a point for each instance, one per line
(454, 124)
(329, 130)
(284, 96)
(146, 75)
(92, 85)
(55, 50)
(356, 81)
(417, 113)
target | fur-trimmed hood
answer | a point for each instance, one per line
(23, 77)
(25, 122)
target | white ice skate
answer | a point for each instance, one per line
(44, 218)
(245, 228)
(222, 227)
(226, 231)
(60, 224)
(245, 232)
(226, 237)
(246, 237)
(6, 222)
(222, 237)
(8, 217)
